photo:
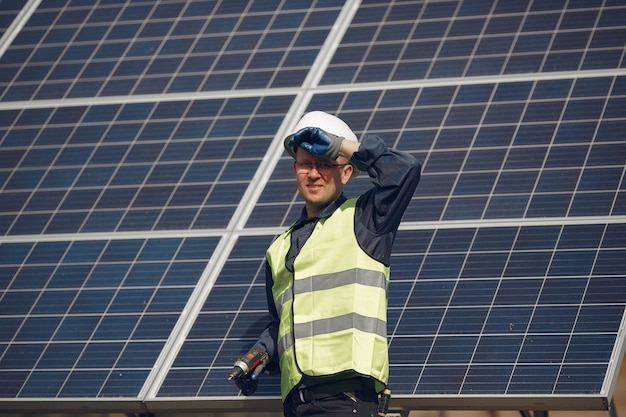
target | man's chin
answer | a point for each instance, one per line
(317, 202)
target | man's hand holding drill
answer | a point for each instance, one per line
(247, 368)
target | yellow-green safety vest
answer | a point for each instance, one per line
(333, 309)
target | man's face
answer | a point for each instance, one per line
(320, 180)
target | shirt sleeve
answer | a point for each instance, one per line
(395, 175)
(269, 336)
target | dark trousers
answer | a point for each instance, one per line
(353, 397)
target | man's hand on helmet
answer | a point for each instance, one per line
(317, 142)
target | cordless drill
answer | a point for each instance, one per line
(254, 361)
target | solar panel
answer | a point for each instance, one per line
(142, 177)
(88, 318)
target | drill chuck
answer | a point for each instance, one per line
(240, 368)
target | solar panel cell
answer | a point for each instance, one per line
(527, 298)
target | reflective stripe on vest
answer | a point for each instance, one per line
(349, 332)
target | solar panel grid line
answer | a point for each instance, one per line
(437, 332)
(152, 168)
(563, 147)
(589, 40)
(510, 222)
(470, 145)
(282, 62)
(30, 314)
(257, 182)
(8, 14)
(329, 48)
(125, 235)
(204, 302)
(320, 89)
(474, 80)
(553, 144)
(91, 59)
(158, 141)
(23, 208)
(439, 48)
(142, 35)
(145, 98)
(576, 317)
(411, 35)
(532, 314)
(142, 25)
(515, 38)
(401, 127)
(195, 156)
(370, 45)
(254, 48)
(144, 184)
(561, 39)
(121, 74)
(187, 317)
(481, 35)
(54, 161)
(484, 325)
(586, 159)
(65, 47)
(116, 169)
(229, 37)
(533, 30)
(121, 81)
(247, 291)
(405, 308)
(110, 369)
(144, 255)
(429, 250)
(275, 230)
(552, 40)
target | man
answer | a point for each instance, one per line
(327, 275)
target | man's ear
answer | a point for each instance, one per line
(346, 173)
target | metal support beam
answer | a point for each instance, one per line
(611, 412)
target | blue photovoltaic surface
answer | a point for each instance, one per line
(490, 151)
(141, 182)
(133, 48)
(425, 40)
(494, 306)
(89, 318)
(129, 167)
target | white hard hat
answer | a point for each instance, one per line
(329, 123)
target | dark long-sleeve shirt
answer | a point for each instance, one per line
(379, 210)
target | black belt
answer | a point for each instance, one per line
(359, 386)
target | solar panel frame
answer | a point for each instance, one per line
(538, 112)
